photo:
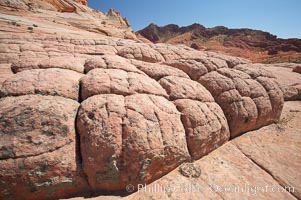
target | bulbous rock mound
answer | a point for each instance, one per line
(99, 81)
(141, 116)
(132, 139)
(38, 148)
(55, 82)
(91, 115)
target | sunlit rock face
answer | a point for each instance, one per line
(82, 112)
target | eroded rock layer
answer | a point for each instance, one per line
(145, 109)
(82, 112)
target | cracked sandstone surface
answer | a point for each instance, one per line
(139, 116)
(82, 115)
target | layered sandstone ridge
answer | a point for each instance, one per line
(71, 17)
(66, 5)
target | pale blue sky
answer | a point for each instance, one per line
(279, 17)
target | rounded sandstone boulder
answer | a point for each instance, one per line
(71, 63)
(53, 81)
(129, 140)
(249, 97)
(141, 52)
(38, 148)
(115, 81)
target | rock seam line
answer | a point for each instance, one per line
(264, 169)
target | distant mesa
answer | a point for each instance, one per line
(256, 45)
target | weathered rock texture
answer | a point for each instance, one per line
(256, 159)
(146, 108)
(252, 166)
(115, 81)
(88, 113)
(205, 125)
(288, 78)
(140, 138)
(38, 155)
(249, 96)
(277, 143)
(56, 82)
(5, 72)
(142, 115)
(64, 62)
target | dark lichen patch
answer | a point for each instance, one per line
(76, 87)
(45, 123)
(190, 170)
(24, 119)
(41, 171)
(111, 174)
(65, 117)
(146, 164)
(32, 187)
(65, 130)
(28, 110)
(50, 128)
(49, 183)
(20, 119)
(5, 123)
(3, 93)
(7, 152)
(48, 132)
(36, 172)
(8, 195)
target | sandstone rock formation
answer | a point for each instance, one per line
(5, 72)
(54, 81)
(68, 17)
(108, 81)
(38, 148)
(267, 164)
(83, 114)
(288, 78)
(150, 109)
(65, 6)
(129, 139)
(61, 62)
(255, 165)
(84, 2)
